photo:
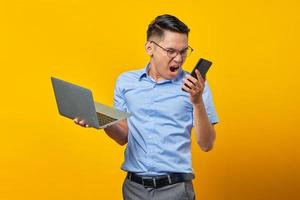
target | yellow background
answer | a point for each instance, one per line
(254, 45)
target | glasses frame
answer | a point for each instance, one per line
(171, 51)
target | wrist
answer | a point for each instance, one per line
(198, 103)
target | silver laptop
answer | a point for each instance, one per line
(74, 101)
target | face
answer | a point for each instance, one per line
(162, 65)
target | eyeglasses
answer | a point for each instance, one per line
(172, 53)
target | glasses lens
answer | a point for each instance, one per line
(189, 51)
(172, 53)
(186, 52)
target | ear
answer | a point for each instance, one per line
(149, 48)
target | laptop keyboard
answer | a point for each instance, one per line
(104, 119)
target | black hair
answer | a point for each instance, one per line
(166, 22)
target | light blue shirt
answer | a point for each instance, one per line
(159, 130)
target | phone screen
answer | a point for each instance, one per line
(203, 65)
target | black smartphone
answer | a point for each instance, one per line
(203, 66)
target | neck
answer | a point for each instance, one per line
(154, 73)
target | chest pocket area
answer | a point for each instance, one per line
(174, 107)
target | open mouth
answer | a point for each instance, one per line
(174, 68)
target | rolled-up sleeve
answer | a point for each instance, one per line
(119, 98)
(209, 105)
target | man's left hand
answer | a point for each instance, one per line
(196, 87)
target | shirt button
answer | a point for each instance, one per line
(149, 137)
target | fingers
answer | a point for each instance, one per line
(193, 82)
(80, 122)
(189, 82)
(199, 77)
(187, 89)
(199, 81)
(193, 85)
(76, 120)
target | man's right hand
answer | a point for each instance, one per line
(81, 123)
(117, 131)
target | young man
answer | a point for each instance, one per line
(158, 134)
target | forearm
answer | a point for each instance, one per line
(118, 132)
(204, 130)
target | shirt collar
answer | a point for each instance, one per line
(144, 73)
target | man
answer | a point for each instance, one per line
(158, 134)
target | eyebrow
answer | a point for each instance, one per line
(177, 49)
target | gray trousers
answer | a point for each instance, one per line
(178, 191)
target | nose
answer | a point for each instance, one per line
(178, 58)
